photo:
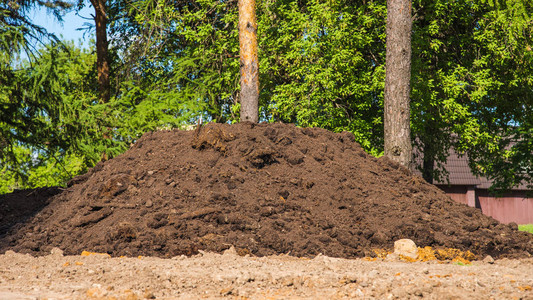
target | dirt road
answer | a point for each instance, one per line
(214, 276)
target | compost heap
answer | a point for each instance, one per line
(263, 188)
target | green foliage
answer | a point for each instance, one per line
(8, 181)
(316, 68)
(186, 58)
(526, 228)
(472, 88)
(516, 13)
(27, 111)
(45, 128)
(39, 170)
(321, 64)
(18, 33)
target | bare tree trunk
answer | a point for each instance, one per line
(102, 63)
(249, 95)
(427, 169)
(397, 83)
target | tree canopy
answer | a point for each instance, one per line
(322, 63)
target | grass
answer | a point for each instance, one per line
(526, 227)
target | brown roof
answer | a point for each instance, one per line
(460, 174)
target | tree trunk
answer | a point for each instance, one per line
(397, 83)
(249, 95)
(102, 63)
(427, 168)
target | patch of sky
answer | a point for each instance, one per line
(73, 28)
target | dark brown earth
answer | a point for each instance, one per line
(21, 205)
(266, 189)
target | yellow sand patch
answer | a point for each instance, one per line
(381, 253)
(87, 253)
(451, 253)
(427, 253)
(460, 260)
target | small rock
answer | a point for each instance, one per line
(488, 259)
(359, 293)
(148, 203)
(56, 252)
(406, 247)
(150, 173)
(230, 251)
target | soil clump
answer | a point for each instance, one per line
(266, 189)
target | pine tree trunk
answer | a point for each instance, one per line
(102, 64)
(249, 95)
(102, 49)
(397, 83)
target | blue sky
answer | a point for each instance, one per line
(71, 22)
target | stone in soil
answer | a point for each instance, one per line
(406, 247)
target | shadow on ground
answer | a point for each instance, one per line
(19, 207)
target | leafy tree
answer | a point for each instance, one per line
(308, 77)
(39, 169)
(186, 52)
(19, 99)
(322, 64)
(454, 77)
(471, 89)
(49, 131)
(18, 33)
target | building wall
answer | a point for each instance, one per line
(513, 206)
(456, 192)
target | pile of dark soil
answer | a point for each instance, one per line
(18, 207)
(266, 189)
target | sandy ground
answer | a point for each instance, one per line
(214, 276)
